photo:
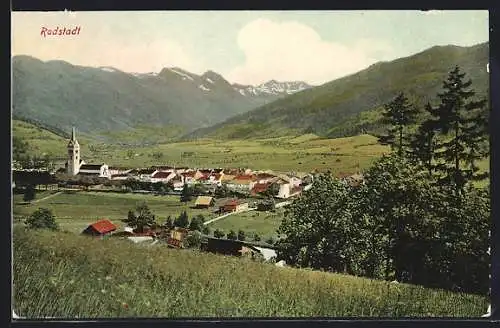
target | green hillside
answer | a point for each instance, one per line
(60, 94)
(351, 105)
(63, 275)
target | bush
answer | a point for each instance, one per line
(29, 193)
(42, 219)
(219, 233)
(193, 239)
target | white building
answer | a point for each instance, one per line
(76, 166)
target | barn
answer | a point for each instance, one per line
(100, 228)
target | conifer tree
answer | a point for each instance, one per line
(399, 114)
(424, 141)
(462, 120)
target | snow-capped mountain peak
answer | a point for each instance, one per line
(271, 87)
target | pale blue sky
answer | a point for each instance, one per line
(245, 46)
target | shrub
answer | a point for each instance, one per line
(42, 219)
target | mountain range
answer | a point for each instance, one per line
(57, 94)
(60, 94)
(353, 104)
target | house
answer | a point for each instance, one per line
(177, 182)
(215, 179)
(97, 170)
(162, 176)
(100, 228)
(259, 188)
(264, 177)
(120, 176)
(233, 205)
(243, 183)
(204, 202)
(113, 170)
(228, 247)
(284, 191)
(176, 237)
(146, 174)
(190, 177)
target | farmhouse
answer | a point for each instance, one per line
(233, 205)
(260, 188)
(100, 228)
(204, 202)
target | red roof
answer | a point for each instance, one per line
(161, 175)
(233, 202)
(103, 226)
(265, 176)
(188, 174)
(260, 187)
(243, 177)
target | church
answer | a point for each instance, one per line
(77, 167)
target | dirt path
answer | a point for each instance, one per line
(47, 197)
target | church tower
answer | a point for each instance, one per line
(73, 155)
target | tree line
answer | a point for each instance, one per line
(418, 218)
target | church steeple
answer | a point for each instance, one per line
(73, 154)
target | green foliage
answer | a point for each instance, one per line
(465, 121)
(42, 219)
(206, 230)
(182, 221)
(187, 194)
(219, 233)
(197, 223)
(20, 150)
(232, 235)
(241, 235)
(29, 193)
(399, 225)
(399, 115)
(169, 223)
(193, 240)
(141, 218)
(256, 237)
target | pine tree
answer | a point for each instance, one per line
(399, 114)
(182, 221)
(424, 141)
(463, 121)
(186, 194)
(141, 218)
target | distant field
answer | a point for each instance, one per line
(75, 211)
(66, 276)
(302, 153)
(264, 223)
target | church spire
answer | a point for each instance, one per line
(73, 134)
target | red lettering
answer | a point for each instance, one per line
(43, 32)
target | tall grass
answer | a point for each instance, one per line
(62, 275)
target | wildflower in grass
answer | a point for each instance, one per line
(103, 291)
(125, 305)
(108, 277)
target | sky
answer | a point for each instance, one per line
(247, 47)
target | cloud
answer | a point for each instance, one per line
(101, 42)
(294, 51)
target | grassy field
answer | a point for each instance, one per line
(264, 223)
(63, 275)
(74, 211)
(302, 153)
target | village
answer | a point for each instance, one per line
(220, 191)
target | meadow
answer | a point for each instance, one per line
(61, 275)
(265, 224)
(74, 211)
